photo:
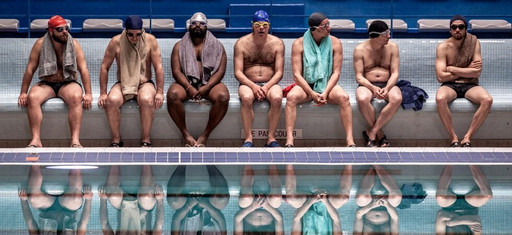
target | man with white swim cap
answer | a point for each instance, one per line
(258, 66)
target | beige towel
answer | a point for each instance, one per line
(465, 56)
(132, 63)
(48, 59)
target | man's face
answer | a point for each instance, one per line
(260, 28)
(133, 35)
(458, 29)
(324, 28)
(60, 33)
(197, 28)
(384, 37)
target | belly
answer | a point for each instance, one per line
(377, 74)
(259, 73)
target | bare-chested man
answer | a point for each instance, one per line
(458, 66)
(59, 58)
(316, 67)
(198, 63)
(376, 65)
(134, 51)
(259, 62)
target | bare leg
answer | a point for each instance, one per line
(175, 185)
(71, 93)
(146, 194)
(479, 197)
(364, 98)
(114, 102)
(443, 97)
(114, 192)
(37, 198)
(72, 198)
(394, 102)
(395, 195)
(146, 101)
(246, 194)
(36, 97)
(443, 197)
(219, 96)
(275, 198)
(220, 197)
(246, 110)
(292, 196)
(338, 200)
(275, 98)
(363, 196)
(480, 96)
(176, 95)
(295, 96)
(340, 97)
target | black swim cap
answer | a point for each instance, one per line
(377, 26)
(459, 17)
(133, 22)
(316, 19)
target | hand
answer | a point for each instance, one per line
(319, 99)
(476, 64)
(159, 100)
(200, 93)
(159, 193)
(23, 100)
(101, 192)
(22, 193)
(102, 101)
(475, 228)
(87, 191)
(87, 101)
(382, 93)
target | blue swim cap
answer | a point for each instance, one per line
(133, 22)
(260, 16)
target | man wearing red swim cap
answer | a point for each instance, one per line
(59, 57)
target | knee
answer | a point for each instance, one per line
(247, 100)
(344, 99)
(172, 96)
(292, 100)
(146, 101)
(222, 98)
(75, 99)
(114, 101)
(362, 99)
(276, 101)
(395, 99)
(441, 99)
(487, 102)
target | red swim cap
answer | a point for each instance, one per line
(55, 21)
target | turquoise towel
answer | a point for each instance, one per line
(317, 220)
(317, 61)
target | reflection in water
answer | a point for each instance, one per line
(57, 213)
(133, 206)
(316, 209)
(198, 211)
(259, 212)
(459, 212)
(234, 199)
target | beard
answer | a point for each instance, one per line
(197, 32)
(459, 36)
(62, 40)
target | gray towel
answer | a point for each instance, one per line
(48, 59)
(210, 57)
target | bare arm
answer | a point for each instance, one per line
(217, 76)
(108, 59)
(176, 67)
(297, 51)
(84, 75)
(215, 213)
(159, 220)
(441, 64)
(156, 60)
(473, 70)
(299, 213)
(395, 66)
(32, 64)
(86, 211)
(27, 213)
(238, 66)
(279, 64)
(358, 58)
(105, 225)
(337, 59)
(180, 214)
(393, 216)
(333, 213)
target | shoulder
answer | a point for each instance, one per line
(361, 46)
(242, 40)
(298, 42)
(444, 44)
(392, 46)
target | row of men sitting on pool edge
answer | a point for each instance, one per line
(198, 63)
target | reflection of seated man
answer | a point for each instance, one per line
(258, 213)
(317, 213)
(58, 214)
(134, 208)
(376, 212)
(459, 213)
(259, 62)
(198, 210)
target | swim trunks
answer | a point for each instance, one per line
(57, 85)
(460, 88)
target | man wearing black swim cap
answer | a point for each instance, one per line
(376, 66)
(316, 65)
(458, 67)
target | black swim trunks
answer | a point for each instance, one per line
(378, 84)
(57, 85)
(460, 88)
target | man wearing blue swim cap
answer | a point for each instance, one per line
(458, 66)
(259, 64)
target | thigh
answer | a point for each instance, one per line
(146, 91)
(177, 92)
(70, 92)
(394, 94)
(336, 94)
(115, 94)
(476, 94)
(40, 93)
(364, 94)
(446, 93)
(275, 92)
(217, 92)
(245, 92)
(298, 95)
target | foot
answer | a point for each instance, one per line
(145, 144)
(455, 144)
(352, 146)
(34, 143)
(371, 143)
(289, 146)
(273, 144)
(247, 144)
(466, 144)
(116, 144)
(76, 146)
(383, 142)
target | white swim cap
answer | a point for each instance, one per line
(198, 16)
